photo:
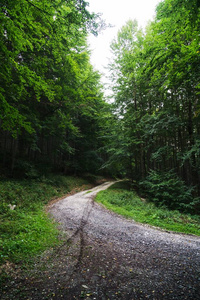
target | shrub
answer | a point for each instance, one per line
(166, 189)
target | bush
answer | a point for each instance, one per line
(166, 189)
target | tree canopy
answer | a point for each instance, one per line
(50, 95)
(156, 91)
(53, 114)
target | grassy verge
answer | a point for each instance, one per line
(121, 200)
(26, 230)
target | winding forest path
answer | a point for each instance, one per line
(105, 256)
(109, 257)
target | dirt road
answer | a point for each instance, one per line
(105, 256)
(121, 259)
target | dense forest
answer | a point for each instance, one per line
(156, 75)
(51, 97)
(53, 113)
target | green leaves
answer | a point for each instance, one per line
(48, 88)
(168, 190)
(156, 91)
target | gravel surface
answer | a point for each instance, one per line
(105, 256)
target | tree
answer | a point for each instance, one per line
(156, 90)
(45, 79)
(127, 93)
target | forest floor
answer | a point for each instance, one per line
(105, 256)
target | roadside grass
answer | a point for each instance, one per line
(120, 199)
(26, 230)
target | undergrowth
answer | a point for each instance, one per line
(120, 199)
(166, 188)
(25, 228)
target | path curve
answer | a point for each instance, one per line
(116, 258)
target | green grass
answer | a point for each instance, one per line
(121, 200)
(27, 230)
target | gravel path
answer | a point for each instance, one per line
(105, 256)
(121, 259)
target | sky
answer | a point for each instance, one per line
(116, 13)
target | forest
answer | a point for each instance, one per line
(54, 116)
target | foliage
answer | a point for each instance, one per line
(29, 233)
(123, 200)
(53, 115)
(51, 97)
(166, 189)
(156, 91)
(26, 230)
(121, 147)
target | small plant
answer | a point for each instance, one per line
(167, 189)
(130, 205)
(25, 229)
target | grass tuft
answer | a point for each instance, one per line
(25, 228)
(120, 199)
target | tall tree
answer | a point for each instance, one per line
(124, 72)
(156, 88)
(45, 78)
